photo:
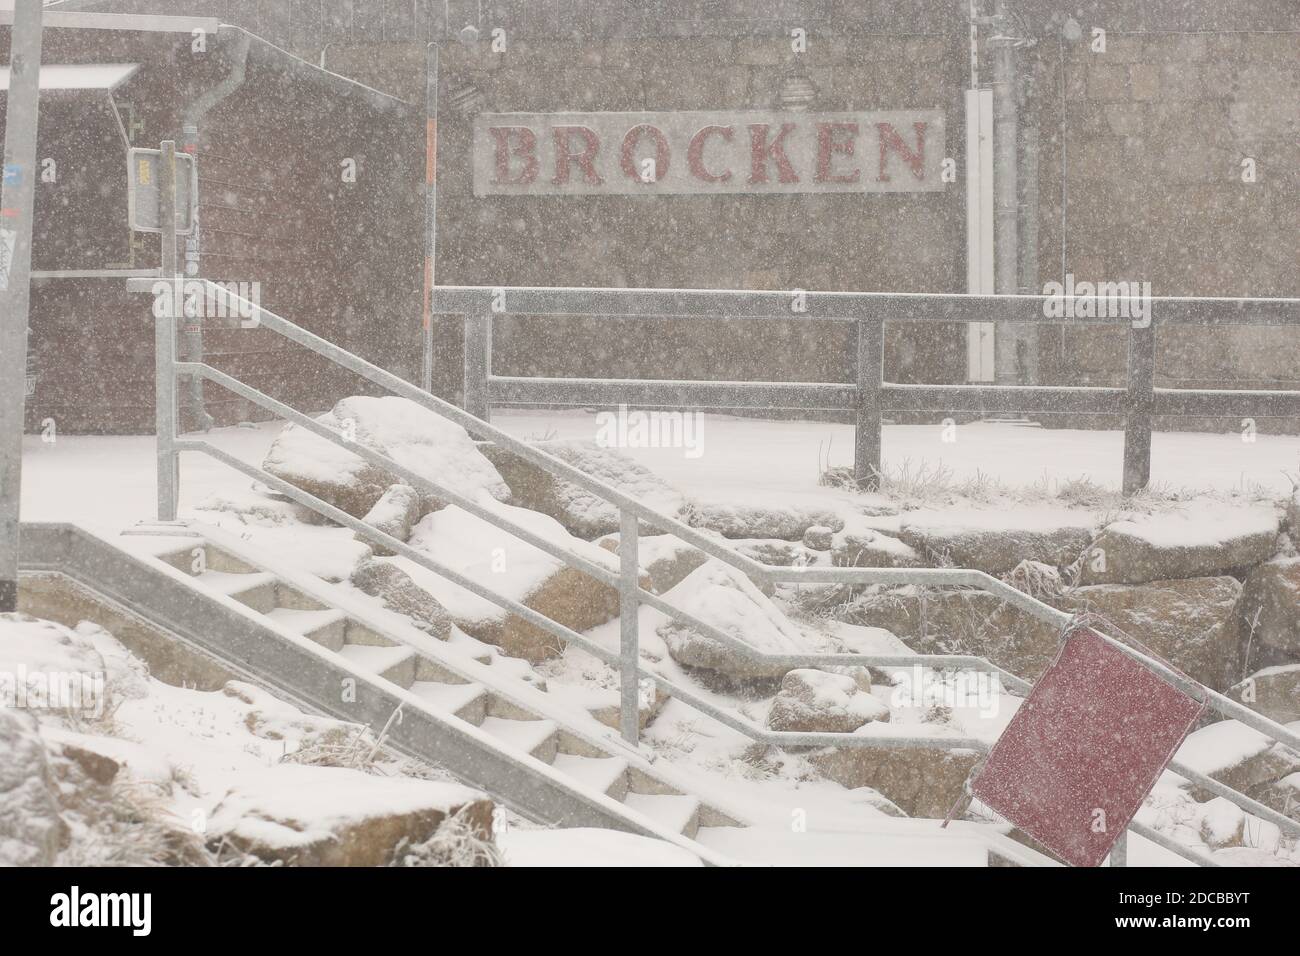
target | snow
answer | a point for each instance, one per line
(747, 460)
(1220, 746)
(584, 846)
(1199, 524)
(490, 556)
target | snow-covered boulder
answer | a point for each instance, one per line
(1270, 603)
(819, 538)
(783, 520)
(416, 438)
(1192, 623)
(1236, 755)
(776, 552)
(816, 701)
(920, 781)
(397, 510)
(725, 599)
(945, 621)
(1200, 540)
(997, 541)
(582, 512)
(332, 816)
(1273, 691)
(46, 666)
(866, 548)
(1223, 823)
(31, 829)
(665, 557)
(393, 586)
(497, 560)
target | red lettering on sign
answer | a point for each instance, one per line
(889, 139)
(586, 159)
(761, 151)
(627, 159)
(525, 147)
(828, 144)
(695, 153)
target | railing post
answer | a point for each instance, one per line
(1119, 851)
(1138, 403)
(629, 635)
(478, 365)
(870, 378)
(165, 341)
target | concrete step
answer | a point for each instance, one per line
(327, 628)
(396, 664)
(607, 775)
(256, 590)
(466, 701)
(887, 845)
(676, 812)
(535, 737)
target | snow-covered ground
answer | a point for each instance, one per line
(111, 479)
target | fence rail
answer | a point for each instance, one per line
(870, 397)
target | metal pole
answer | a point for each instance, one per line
(430, 209)
(1119, 851)
(191, 339)
(870, 374)
(629, 636)
(1006, 190)
(16, 208)
(478, 359)
(165, 341)
(1137, 405)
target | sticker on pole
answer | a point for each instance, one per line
(143, 193)
(1084, 749)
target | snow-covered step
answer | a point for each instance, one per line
(201, 556)
(676, 812)
(607, 775)
(535, 737)
(396, 664)
(255, 590)
(466, 701)
(327, 627)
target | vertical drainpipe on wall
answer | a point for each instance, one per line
(191, 339)
(1013, 340)
(430, 209)
(979, 211)
(1029, 280)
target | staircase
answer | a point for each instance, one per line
(460, 703)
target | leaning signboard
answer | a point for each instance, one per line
(143, 193)
(647, 154)
(1085, 748)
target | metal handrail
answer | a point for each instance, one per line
(869, 396)
(627, 578)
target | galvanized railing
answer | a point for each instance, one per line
(633, 513)
(869, 397)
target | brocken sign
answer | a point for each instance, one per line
(636, 154)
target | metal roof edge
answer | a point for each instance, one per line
(140, 22)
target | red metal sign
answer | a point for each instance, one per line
(1085, 748)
